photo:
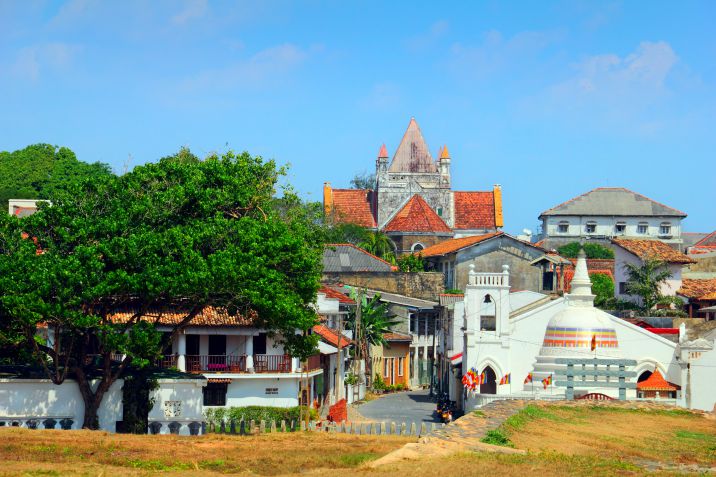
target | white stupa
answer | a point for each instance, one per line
(573, 331)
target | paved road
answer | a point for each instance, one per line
(410, 406)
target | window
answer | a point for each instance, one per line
(642, 228)
(215, 394)
(386, 367)
(401, 365)
(590, 227)
(622, 288)
(665, 228)
(620, 228)
(417, 247)
(440, 211)
(563, 227)
(414, 324)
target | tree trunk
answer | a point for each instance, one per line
(92, 399)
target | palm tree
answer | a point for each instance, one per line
(645, 281)
(374, 323)
(379, 244)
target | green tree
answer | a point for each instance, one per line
(593, 250)
(411, 263)
(181, 233)
(375, 322)
(364, 180)
(42, 171)
(379, 244)
(645, 280)
(346, 233)
(603, 289)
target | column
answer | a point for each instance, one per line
(416, 375)
(181, 351)
(249, 350)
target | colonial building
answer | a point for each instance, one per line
(611, 212)
(412, 200)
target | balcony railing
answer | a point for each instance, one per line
(168, 361)
(272, 363)
(216, 363)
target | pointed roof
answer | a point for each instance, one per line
(383, 152)
(613, 201)
(444, 153)
(706, 243)
(417, 216)
(656, 382)
(413, 154)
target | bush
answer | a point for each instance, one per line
(257, 413)
(411, 263)
(497, 437)
(593, 250)
(378, 383)
(603, 288)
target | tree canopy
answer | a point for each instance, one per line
(363, 180)
(593, 250)
(645, 281)
(182, 233)
(41, 171)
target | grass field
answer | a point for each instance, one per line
(560, 440)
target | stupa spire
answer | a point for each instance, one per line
(581, 286)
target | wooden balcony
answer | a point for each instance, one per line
(220, 363)
(216, 363)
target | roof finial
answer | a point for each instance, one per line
(444, 153)
(383, 153)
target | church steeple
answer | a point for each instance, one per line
(382, 161)
(413, 154)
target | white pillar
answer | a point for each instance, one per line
(249, 349)
(181, 351)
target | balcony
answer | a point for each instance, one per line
(233, 364)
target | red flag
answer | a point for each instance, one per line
(528, 379)
(594, 342)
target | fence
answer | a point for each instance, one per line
(357, 428)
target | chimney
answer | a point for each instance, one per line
(327, 199)
(497, 196)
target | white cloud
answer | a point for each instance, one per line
(72, 11)
(192, 9)
(639, 76)
(264, 68)
(32, 60)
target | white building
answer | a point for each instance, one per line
(609, 212)
(635, 252)
(499, 339)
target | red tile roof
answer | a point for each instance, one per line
(331, 293)
(474, 210)
(706, 244)
(353, 206)
(453, 245)
(393, 336)
(656, 382)
(330, 336)
(654, 249)
(698, 288)
(209, 316)
(417, 216)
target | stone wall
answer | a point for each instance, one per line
(423, 285)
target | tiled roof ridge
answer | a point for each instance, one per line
(332, 293)
(666, 254)
(573, 199)
(461, 242)
(702, 242)
(351, 189)
(360, 249)
(697, 288)
(656, 382)
(331, 335)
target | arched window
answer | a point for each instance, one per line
(417, 247)
(490, 384)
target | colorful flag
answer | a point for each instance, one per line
(547, 381)
(505, 379)
(594, 342)
(528, 379)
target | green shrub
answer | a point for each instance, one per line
(603, 288)
(255, 413)
(497, 437)
(378, 383)
(593, 250)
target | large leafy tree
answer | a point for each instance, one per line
(41, 171)
(183, 233)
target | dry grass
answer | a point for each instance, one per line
(37, 452)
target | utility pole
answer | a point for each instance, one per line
(339, 364)
(358, 337)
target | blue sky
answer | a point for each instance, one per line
(549, 99)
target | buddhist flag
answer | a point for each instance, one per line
(483, 378)
(505, 379)
(528, 379)
(594, 342)
(547, 381)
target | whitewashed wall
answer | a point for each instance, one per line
(621, 257)
(703, 381)
(606, 227)
(252, 392)
(178, 401)
(40, 399)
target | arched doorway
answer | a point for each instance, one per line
(490, 384)
(644, 376)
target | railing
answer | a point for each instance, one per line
(313, 362)
(272, 363)
(166, 362)
(216, 363)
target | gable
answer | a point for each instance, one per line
(417, 216)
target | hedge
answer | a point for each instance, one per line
(257, 413)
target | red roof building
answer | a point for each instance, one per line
(412, 200)
(656, 384)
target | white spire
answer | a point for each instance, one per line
(581, 294)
